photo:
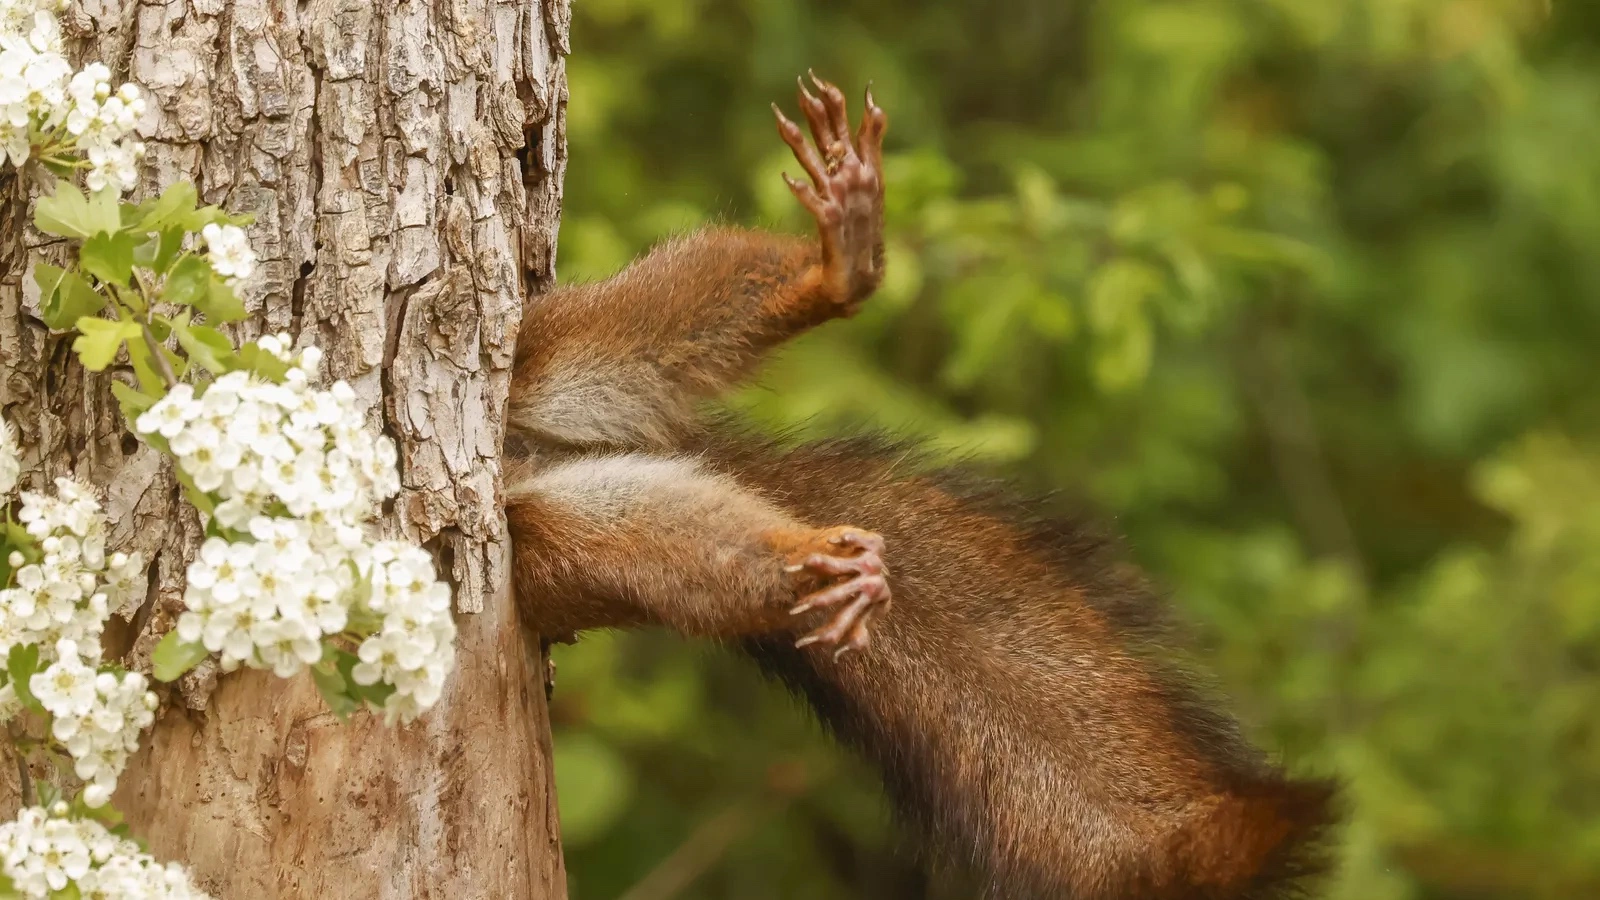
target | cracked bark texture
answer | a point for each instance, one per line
(404, 161)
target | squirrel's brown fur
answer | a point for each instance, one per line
(1013, 693)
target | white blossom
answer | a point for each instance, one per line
(42, 851)
(101, 737)
(16, 16)
(258, 445)
(268, 603)
(41, 98)
(124, 575)
(69, 590)
(298, 479)
(229, 252)
(100, 120)
(59, 602)
(415, 648)
(66, 688)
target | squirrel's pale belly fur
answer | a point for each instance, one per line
(1012, 693)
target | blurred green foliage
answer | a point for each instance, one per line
(1303, 293)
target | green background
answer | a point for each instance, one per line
(1301, 294)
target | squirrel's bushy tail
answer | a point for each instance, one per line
(1023, 702)
(1258, 841)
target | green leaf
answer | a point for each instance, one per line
(109, 257)
(15, 539)
(21, 664)
(1118, 292)
(5, 563)
(374, 694)
(220, 303)
(363, 621)
(107, 815)
(189, 282)
(335, 692)
(145, 251)
(160, 212)
(48, 278)
(69, 214)
(144, 366)
(262, 363)
(158, 251)
(99, 339)
(1121, 360)
(209, 215)
(70, 892)
(72, 299)
(18, 539)
(134, 404)
(207, 347)
(173, 657)
(105, 211)
(345, 661)
(180, 366)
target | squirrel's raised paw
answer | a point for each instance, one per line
(856, 599)
(845, 193)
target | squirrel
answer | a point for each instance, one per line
(1003, 672)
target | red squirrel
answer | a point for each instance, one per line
(1000, 670)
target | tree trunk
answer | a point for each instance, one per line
(404, 161)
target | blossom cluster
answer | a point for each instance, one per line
(299, 479)
(18, 15)
(96, 715)
(415, 648)
(45, 105)
(100, 122)
(43, 852)
(69, 591)
(270, 449)
(59, 603)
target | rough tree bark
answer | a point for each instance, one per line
(404, 163)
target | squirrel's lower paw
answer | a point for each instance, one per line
(857, 600)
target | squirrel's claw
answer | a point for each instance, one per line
(858, 599)
(845, 190)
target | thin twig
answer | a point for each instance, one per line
(694, 857)
(1295, 448)
(162, 365)
(1296, 451)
